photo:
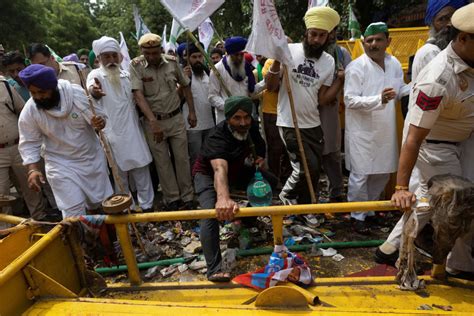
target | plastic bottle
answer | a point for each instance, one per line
(259, 191)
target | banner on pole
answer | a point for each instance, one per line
(268, 38)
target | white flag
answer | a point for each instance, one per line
(139, 24)
(206, 32)
(163, 39)
(176, 31)
(124, 50)
(317, 3)
(268, 38)
(191, 13)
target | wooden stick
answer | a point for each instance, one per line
(298, 136)
(111, 160)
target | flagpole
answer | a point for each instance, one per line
(219, 37)
(298, 136)
(200, 48)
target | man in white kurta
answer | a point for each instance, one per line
(58, 116)
(200, 90)
(373, 82)
(112, 91)
(235, 73)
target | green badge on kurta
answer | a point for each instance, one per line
(74, 115)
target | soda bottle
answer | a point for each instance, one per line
(259, 191)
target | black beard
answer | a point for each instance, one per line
(47, 104)
(198, 68)
(313, 51)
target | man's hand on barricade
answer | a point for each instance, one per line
(226, 208)
(403, 199)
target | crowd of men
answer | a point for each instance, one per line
(206, 132)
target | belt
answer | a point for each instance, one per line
(8, 144)
(166, 116)
(433, 141)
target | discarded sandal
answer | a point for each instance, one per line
(219, 277)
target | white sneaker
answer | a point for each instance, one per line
(285, 200)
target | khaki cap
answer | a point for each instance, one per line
(149, 40)
(463, 19)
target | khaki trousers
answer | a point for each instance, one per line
(175, 185)
(10, 159)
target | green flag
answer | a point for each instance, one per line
(354, 25)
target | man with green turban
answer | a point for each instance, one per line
(225, 161)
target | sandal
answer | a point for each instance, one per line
(219, 277)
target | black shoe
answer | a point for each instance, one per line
(360, 227)
(383, 258)
(172, 206)
(461, 275)
(187, 206)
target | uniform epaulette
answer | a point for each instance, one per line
(445, 75)
(138, 60)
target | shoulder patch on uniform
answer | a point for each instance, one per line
(427, 103)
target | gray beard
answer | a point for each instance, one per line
(113, 76)
(441, 38)
(237, 70)
(239, 136)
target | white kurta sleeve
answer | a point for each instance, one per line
(404, 89)
(215, 92)
(31, 138)
(353, 88)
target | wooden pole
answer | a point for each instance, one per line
(298, 136)
(111, 160)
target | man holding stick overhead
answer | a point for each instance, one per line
(311, 82)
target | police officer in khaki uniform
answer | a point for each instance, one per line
(10, 160)
(440, 117)
(155, 77)
(40, 54)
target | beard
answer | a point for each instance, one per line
(313, 50)
(237, 70)
(441, 38)
(239, 136)
(113, 73)
(48, 103)
(198, 68)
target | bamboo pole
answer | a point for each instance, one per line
(298, 136)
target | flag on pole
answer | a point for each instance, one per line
(163, 39)
(317, 3)
(176, 31)
(354, 25)
(268, 38)
(206, 32)
(124, 50)
(140, 26)
(191, 13)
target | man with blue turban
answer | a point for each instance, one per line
(236, 74)
(58, 116)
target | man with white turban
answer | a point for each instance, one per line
(111, 89)
(58, 116)
(314, 82)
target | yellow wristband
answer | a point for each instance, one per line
(401, 187)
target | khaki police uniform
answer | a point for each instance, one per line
(69, 71)
(158, 85)
(442, 100)
(10, 159)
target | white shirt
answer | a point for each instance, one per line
(217, 95)
(306, 78)
(422, 57)
(72, 152)
(123, 129)
(442, 98)
(371, 127)
(202, 106)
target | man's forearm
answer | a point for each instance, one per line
(143, 105)
(33, 166)
(331, 93)
(408, 157)
(273, 77)
(189, 98)
(221, 185)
